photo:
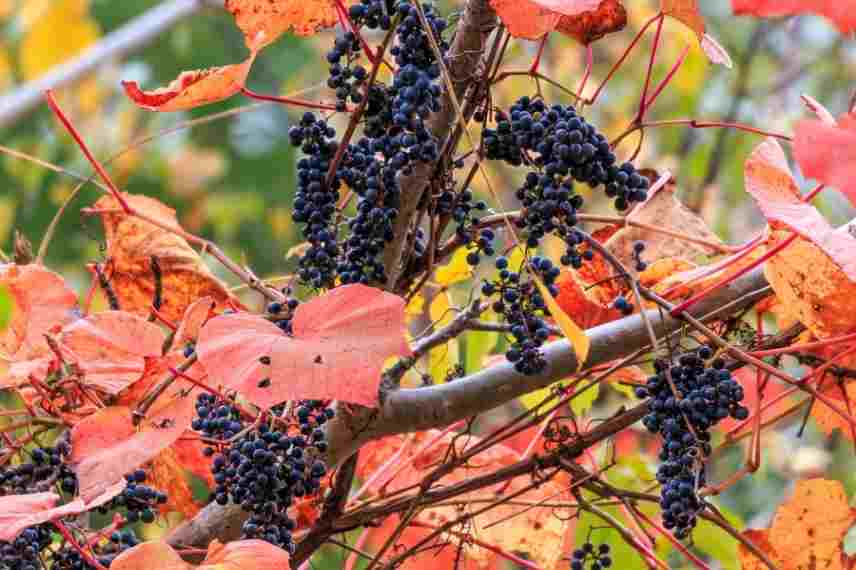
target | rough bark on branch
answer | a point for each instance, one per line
(465, 54)
(406, 411)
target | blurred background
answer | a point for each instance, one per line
(228, 168)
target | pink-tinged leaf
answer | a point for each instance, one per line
(42, 302)
(246, 555)
(194, 317)
(568, 7)
(839, 11)
(107, 445)
(149, 556)
(769, 180)
(111, 348)
(818, 109)
(828, 152)
(340, 343)
(715, 52)
(18, 512)
(193, 88)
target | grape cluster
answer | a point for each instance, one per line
(140, 500)
(24, 552)
(348, 77)
(703, 395)
(264, 469)
(586, 556)
(315, 200)
(561, 148)
(395, 138)
(45, 468)
(522, 306)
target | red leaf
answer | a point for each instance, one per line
(525, 19)
(111, 348)
(193, 88)
(839, 11)
(569, 7)
(610, 16)
(532, 19)
(194, 317)
(769, 180)
(828, 152)
(340, 343)
(42, 302)
(150, 555)
(107, 445)
(18, 512)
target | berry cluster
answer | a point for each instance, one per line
(140, 500)
(44, 469)
(586, 557)
(264, 469)
(315, 201)
(521, 305)
(24, 553)
(560, 143)
(395, 138)
(561, 148)
(686, 398)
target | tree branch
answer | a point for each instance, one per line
(411, 410)
(133, 35)
(465, 54)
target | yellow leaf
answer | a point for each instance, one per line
(575, 335)
(444, 357)
(415, 306)
(5, 68)
(457, 269)
(58, 34)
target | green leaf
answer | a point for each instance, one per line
(478, 345)
(6, 305)
(623, 555)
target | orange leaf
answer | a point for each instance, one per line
(685, 11)
(829, 420)
(194, 317)
(150, 555)
(106, 445)
(263, 21)
(238, 555)
(818, 298)
(341, 340)
(808, 530)
(828, 152)
(193, 88)
(41, 302)
(111, 348)
(586, 311)
(590, 26)
(131, 243)
(840, 12)
(166, 475)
